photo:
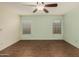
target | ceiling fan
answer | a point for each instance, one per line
(41, 6)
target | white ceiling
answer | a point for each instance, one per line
(63, 7)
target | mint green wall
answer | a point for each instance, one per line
(71, 27)
(42, 27)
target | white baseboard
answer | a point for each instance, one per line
(42, 39)
(72, 44)
(7, 45)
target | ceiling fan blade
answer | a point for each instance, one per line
(45, 10)
(42, 2)
(51, 5)
(34, 10)
(37, 2)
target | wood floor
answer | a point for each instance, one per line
(41, 48)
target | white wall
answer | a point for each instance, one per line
(42, 27)
(71, 27)
(9, 23)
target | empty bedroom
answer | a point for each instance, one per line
(39, 29)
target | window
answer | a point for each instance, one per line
(26, 27)
(57, 27)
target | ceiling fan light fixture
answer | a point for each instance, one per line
(40, 7)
